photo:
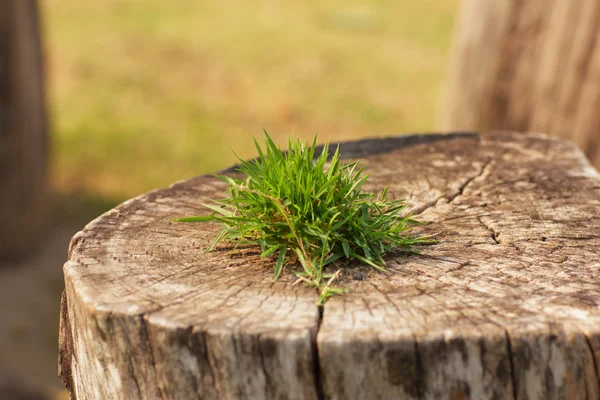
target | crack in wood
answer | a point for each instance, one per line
(513, 375)
(317, 372)
(451, 196)
(420, 382)
(493, 234)
(269, 386)
(466, 183)
(145, 338)
(455, 269)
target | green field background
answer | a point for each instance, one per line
(145, 92)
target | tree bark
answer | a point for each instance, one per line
(527, 66)
(504, 306)
(23, 136)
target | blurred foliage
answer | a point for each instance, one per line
(145, 92)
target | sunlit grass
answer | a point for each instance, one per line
(145, 92)
(309, 210)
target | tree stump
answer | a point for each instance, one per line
(23, 136)
(505, 306)
(528, 66)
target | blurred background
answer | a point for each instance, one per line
(103, 100)
(141, 93)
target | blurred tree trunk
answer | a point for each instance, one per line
(23, 135)
(528, 66)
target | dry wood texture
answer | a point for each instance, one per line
(505, 306)
(23, 147)
(528, 66)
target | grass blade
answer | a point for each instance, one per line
(219, 210)
(201, 218)
(346, 248)
(280, 262)
(269, 251)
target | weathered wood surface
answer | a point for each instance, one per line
(23, 136)
(527, 66)
(505, 306)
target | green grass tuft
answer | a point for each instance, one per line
(309, 211)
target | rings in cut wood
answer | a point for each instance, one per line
(504, 306)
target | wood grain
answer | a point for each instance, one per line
(505, 305)
(527, 66)
(23, 125)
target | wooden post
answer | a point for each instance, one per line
(528, 66)
(23, 136)
(505, 305)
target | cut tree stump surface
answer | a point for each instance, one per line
(505, 306)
